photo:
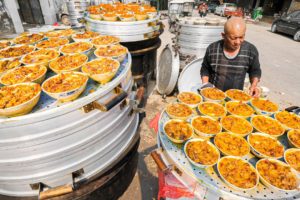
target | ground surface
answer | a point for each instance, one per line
(280, 63)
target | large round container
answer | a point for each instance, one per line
(76, 8)
(57, 139)
(194, 39)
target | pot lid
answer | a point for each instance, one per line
(167, 71)
(190, 79)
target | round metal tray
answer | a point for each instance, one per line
(211, 179)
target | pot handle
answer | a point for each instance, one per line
(118, 97)
(158, 160)
(54, 192)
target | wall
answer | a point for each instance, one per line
(6, 25)
(295, 5)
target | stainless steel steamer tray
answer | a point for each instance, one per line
(126, 31)
(209, 177)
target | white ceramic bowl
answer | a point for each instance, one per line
(75, 69)
(178, 140)
(67, 95)
(291, 143)
(262, 112)
(191, 105)
(215, 117)
(243, 135)
(212, 100)
(258, 153)
(23, 108)
(202, 134)
(198, 164)
(177, 117)
(292, 150)
(258, 130)
(231, 185)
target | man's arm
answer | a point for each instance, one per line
(206, 69)
(254, 74)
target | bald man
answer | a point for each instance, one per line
(227, 61)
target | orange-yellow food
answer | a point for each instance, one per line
(266, 145)
(111, 51)
(202, 152)
(239, 108)
(6, 65)
(126, 15)
(59, 33)
(212, 109)
(189, 98)
(64, 82)
(23, 74)
(86, 35)
(236, 125)
(294, 136)
(238, 95)
(179, 110)
(68, 62)
(291, 120)
(28, 39)
(178, 130)
(206, 125)
(213, 93)
(101, 66)
(267, 125)
(105, 40)
(14, 95)
(15, 51)
(238, 172)
(52, 43)
(293, 159)
(277, 175)
(265, 105)
(76, 47)
(231, 144)
(4, 44)
(40, 56)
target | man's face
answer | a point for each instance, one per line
(233, 39)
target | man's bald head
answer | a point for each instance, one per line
(234, 33)
(235, 24)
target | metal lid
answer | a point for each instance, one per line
(167, 71)
(189, 79)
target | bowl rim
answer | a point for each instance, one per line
(27, 34)
(280, 163)
(170, 115)
(61, 47)
(55, 93)
(16, 46)
(96, 45)
(67, 70)
(27, 66)
(178, 140)
(210, 98)
(83, 70)
(232, 99)
(268, 136)
(208, 134)
(251, 166)
(234, 135)
(56, 48)
(244, 134)
(50, 49)
(202, 140)
(243, 102)
(288, 136)
(2, 73)
(255, 116)
(215, 103)
(22, 104)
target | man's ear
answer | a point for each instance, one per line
(223, 35)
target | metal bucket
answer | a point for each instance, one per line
(57, 140)
(76, 9)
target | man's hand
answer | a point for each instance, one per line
(254, 92)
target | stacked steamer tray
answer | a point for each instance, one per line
(194, 34)
(206, 159)
(137, 26)
(73, 131)
(76, 9)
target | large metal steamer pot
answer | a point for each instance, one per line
(76, 9)
(67, 143)
(194, 39)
